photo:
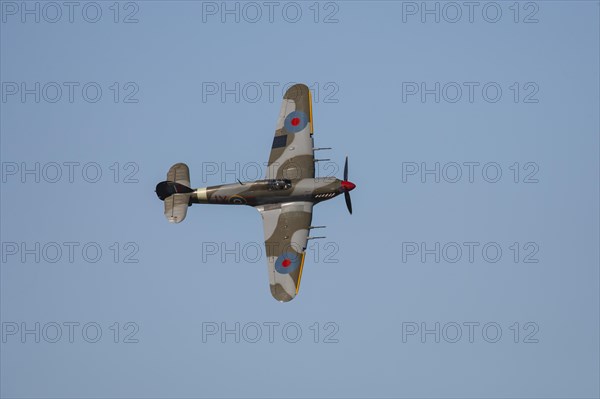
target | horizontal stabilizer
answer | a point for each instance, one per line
(176, 192)
(179, 173)
(176, 207)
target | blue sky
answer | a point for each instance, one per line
(468, 269)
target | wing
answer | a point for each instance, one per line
(286, 234)
(292, 155)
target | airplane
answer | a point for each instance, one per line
(285, 198)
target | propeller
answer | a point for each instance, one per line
(347, 192)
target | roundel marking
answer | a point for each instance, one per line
(295, 121)
(238, 200)
(287, 262)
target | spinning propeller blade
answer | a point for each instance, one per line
(347, 192)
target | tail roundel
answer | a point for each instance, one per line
(176, 192)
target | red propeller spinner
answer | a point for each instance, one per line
(348, 186)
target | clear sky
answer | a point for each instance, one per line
(469, 267)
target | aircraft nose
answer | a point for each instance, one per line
(348, 186)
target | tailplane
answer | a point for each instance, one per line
(176, 192)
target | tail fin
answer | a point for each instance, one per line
(176, 192)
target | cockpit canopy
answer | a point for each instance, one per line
(279, 184)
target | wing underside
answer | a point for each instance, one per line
(286, 228)
(292, 155)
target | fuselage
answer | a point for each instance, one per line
(262, 192)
